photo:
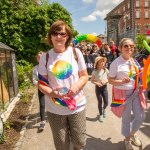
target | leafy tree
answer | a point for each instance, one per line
(75, 33)
(56, 12)
(139, 41)
(24, 25)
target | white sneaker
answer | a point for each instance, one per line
(135, 139)
(128, 145)
(104, 113)
(42, 126)
(101, 118)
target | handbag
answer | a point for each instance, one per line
(142, 98)
(118, 99)
(118, 110)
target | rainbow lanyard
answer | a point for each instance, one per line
(137, 69)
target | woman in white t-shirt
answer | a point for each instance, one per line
(124, 75)
(62, 76)
(40, 94)
(100, 79)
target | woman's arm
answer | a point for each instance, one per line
(34, 77)
(117, 82)
(83, 78)
(47, 90)
(95, 82)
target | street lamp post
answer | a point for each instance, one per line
(125, 23)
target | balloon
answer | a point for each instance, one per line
(146, 45)
(88, 37)
(92, 38)
(75, 41)
(146, 72)
(98, 42)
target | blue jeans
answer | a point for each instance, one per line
(102, 97)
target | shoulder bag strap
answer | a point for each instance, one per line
(75, 54)
(47, 57)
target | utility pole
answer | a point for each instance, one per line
(132, 21)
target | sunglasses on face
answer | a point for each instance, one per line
(128, 46)
(62, 34)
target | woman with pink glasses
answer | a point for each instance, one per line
(124, 75)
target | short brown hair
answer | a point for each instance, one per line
(57, 26)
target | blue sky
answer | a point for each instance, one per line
(88, 15)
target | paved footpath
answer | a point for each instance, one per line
(100, 136)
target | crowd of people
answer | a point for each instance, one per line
(62, 81)
(108, 50)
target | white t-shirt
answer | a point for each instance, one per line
(35, 75)
(119, 69)
(62, 70)
(101, 75)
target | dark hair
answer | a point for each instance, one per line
(57, 26)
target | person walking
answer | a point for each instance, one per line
(40, 94)
(113, 49)
(100, 79)
(107, 53)
(62, 76)
(124, 75)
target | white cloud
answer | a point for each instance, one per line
(101, 9)
(89, 18)
(87, 1)
(93, 33)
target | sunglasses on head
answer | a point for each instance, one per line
(62, 34)
(128, 46)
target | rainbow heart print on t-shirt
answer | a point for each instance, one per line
(62, 69)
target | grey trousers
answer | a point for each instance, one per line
(68, 127)
(133, 115)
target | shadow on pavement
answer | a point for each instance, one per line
(93, 143)
(145, 128)
(92, 119)
(147, 147)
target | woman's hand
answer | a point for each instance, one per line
(125, 80)
(73, 90)
(99, 84)
(55, 93)
(103, 82)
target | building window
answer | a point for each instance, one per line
(137, 13)
(137, 28)
(137, 3)
(128, 5)
(146, 14)
(4, 95)
(146, 27)
(129, 17)
(146, 3)
(124, 8)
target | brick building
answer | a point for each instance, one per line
(127, 19)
